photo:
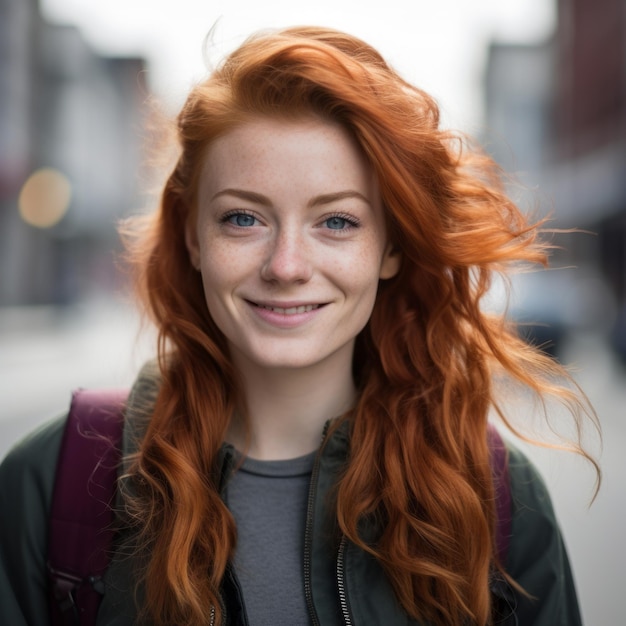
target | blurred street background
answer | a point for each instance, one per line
(540, 83)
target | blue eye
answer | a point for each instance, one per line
(242, 220)
(337, 223)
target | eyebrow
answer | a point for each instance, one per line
(329, 198)
(252, 196)
(258, 198)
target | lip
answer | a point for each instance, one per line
(286, 314)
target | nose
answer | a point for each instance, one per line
(288, 259)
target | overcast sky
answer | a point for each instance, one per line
(440, 45)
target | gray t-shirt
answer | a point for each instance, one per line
(268, 500)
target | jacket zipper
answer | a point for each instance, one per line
(224, 613)
(341, 582)
(308, 535)
(226, 467)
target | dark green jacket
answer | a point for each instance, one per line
(338, 577)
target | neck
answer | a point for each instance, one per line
(287, 408)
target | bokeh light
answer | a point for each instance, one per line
(45, 198)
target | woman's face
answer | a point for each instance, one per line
(290, 240)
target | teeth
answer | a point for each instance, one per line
(291, 310)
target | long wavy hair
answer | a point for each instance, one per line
(424, 364)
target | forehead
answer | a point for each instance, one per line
(305, 149)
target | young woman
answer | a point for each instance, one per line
(311, 446)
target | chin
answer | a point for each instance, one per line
(286, 363)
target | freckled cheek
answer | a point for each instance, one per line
(364, 263)
(226, 259)
(359, 279)
(225, 266)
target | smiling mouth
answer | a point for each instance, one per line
(293, 310)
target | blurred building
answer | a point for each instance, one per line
(73, 118)
(556, 117)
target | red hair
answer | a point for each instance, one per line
(424, 364)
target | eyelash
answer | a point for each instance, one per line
(351, 221)
(224, 219)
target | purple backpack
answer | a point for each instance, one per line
(81, 516)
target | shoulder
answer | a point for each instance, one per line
(537, 558)
(27, 480)
(525, 477)
(531, 505)
(534, 527)
(29, 467)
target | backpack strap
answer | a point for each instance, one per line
(80, 526)
(502, 487)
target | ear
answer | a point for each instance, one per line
(191, 241)
(390, 264)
